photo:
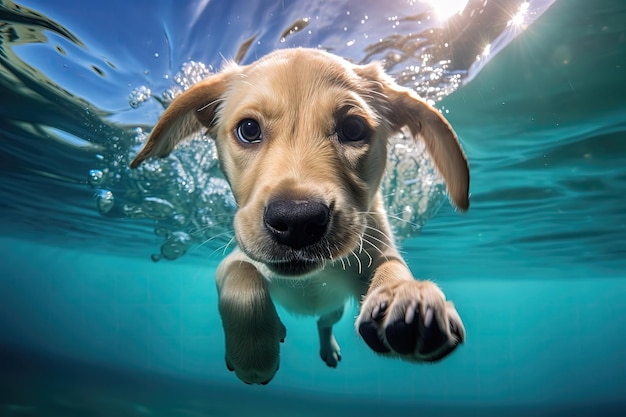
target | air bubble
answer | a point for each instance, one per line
(95, 177)
(133, 211)
(174, 247)
(104, 201)
(179, 219)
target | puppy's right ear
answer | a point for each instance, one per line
(401, 107)
(188, 113)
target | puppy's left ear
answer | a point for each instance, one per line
(188, 113)
(401, 107)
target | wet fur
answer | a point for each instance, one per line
(300, 97)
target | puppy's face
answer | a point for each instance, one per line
(301, 137)
(304, 151)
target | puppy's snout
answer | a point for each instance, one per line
(296, 223)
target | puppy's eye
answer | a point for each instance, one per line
(353, 129)
(249, 131)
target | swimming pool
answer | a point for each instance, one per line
(96, 320)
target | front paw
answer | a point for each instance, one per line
(253, 343)
(412, 320)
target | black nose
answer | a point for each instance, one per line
(296, 223)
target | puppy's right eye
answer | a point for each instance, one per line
(249, 131)
(353, 129)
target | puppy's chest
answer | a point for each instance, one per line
(322, 293)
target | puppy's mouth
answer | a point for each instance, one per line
(285, 261)
(293, 268)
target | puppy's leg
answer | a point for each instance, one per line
(407, 318)
(252, 329)
(329, 348)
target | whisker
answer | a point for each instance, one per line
(232, 239)
(330, 255)
(382, 242)
(223, 248)
(227, 233)
(343, 264)
(369, 264)
(400, 219)
(209, 104)
(358, 262)
(218, 249)
(219, 224)
(379, 231)
(375, 247)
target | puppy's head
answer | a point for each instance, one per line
(302, 139)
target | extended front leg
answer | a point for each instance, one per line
(252, 328)
(407, 318)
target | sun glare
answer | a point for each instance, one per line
(519, 19)
(445, 9)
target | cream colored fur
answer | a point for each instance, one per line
(310, 107)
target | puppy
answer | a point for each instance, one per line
(301, 137)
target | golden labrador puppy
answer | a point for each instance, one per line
(302, 139)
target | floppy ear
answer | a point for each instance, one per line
(440, 140)
(403, 107)
(188, 113)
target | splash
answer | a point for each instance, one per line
(185, 195)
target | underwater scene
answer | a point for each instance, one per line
(108, 300)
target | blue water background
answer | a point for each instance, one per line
(536, 268)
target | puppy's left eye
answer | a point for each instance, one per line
(249, 131)
(353, 129)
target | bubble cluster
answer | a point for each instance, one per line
(191, 73)
(413, 190)
(138, 96)
(187, 196)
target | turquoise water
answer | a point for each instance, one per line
(90, 325)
